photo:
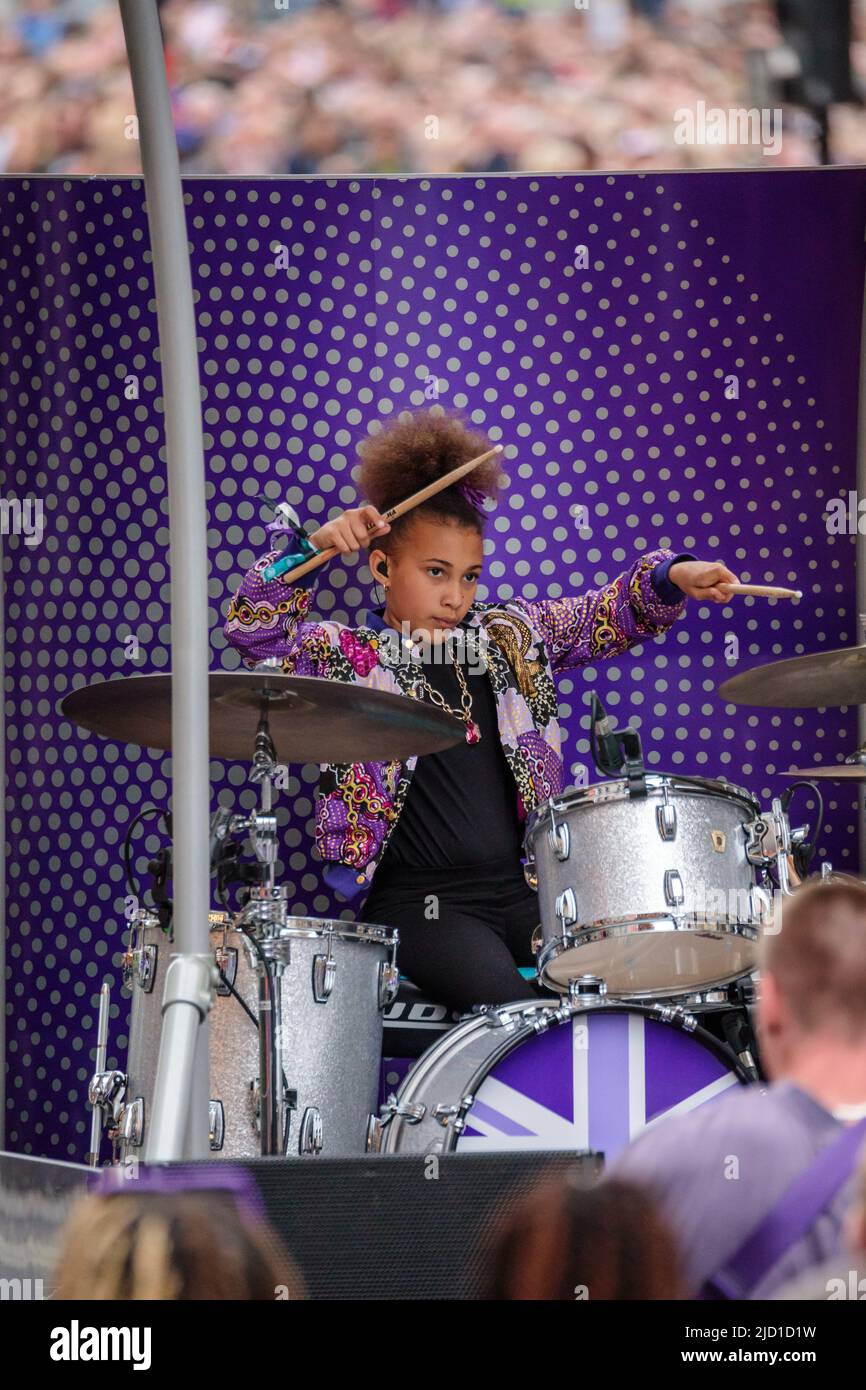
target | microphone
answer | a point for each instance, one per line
(610, 756)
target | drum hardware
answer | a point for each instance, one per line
(130, 1128)
(389, 983)
(675, 894)
(566, 908)
(559, 837)
(616, 750)
(770, 841)
(666, 817)
(103, 1086)
(324, 974)
(675, 1013)
(586, 987)
(216, 1125)
(311, 1137)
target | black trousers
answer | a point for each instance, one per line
(463, 931)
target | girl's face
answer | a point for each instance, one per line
(432, 576)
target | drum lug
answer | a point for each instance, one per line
(324, 974)
(666, 819)
(227, 962)
(586, 986)
(566, 908)
(216, 1125)
(760, 904)
(530, 874)
(130, 1125)
(453, 1115)
(310, 1139)
(395, 1109)
(559, 838)
(674, 891)
(139, 967)
(676, 1014)
(375, 1133)
(389, 983)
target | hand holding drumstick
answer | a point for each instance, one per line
(711, 579)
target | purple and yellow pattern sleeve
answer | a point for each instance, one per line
(601, 623)
(266, 619)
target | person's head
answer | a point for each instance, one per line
(813, 979)
(568, 1240)
(430, 561)
(171, 1245)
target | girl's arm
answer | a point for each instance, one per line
(268, 618)
(604, 622)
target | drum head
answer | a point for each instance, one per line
(653, 959)
(594, 1082)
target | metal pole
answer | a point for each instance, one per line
(2, 854)
(188, 563)
(861, 569)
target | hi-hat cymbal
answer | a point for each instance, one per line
(817, 680)
(310, 720)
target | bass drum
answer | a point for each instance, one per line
(579, 1076)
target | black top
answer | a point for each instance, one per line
(461, 808)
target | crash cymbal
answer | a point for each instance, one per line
(310, 720)
(816, 680)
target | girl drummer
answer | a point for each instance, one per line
(433, 846)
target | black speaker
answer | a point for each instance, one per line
(820, 33)
(393, 1226)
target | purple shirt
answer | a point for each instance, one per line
(719, 1169)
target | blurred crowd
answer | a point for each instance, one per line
(335, 87)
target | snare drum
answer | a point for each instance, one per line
(654, 894)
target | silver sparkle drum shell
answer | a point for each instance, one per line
(330, 1048)
(653, 894)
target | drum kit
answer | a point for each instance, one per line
(653, 893)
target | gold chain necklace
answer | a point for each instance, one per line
(473, 733)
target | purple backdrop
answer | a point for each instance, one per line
(323, 308)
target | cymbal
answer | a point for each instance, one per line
(816, 680)
(310, 720)
(838, 772)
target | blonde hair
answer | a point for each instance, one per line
(158, 1246)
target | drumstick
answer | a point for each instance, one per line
(764, 590)
(393, 512)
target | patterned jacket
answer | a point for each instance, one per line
(528, 642)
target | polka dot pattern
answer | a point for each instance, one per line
(658, 389)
